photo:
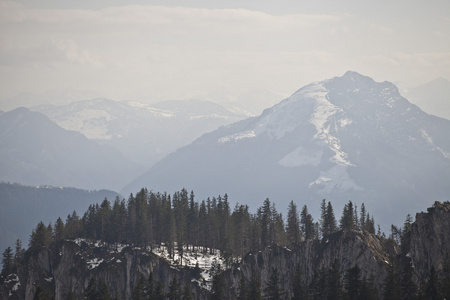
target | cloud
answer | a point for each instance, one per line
(47, 52)
(176, 51)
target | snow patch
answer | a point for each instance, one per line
(322, 119)
(429, 140)
(193, 259)
(300, 157)
(90, 122)
(155, 111)
(238, 136)
(94, 263)
(335, 179)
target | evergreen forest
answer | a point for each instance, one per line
(178, 221)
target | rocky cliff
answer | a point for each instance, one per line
(70, 266)
(346, 249)
(430, 240)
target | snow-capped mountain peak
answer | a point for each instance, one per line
(343, 138)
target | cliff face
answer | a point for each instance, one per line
(70, 266)
(430, 240)
(347, 249)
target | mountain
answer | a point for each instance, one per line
(144, 133)
(344, 138)
(22, 207)
(36, 151)
(433, 97)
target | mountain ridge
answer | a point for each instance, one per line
(36, 151)
(343, 138)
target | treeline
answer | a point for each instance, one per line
(150, 219)
(178, 220)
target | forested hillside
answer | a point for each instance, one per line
(35, 204)
(159, 245)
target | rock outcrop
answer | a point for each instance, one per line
(347, 249)
(70, 267)
(430, 240)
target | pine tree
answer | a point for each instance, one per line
(40, 237)
(19, 254)
(58, 231)
(7, 261)
(266, 221)
(273, 290)
(347, 218)
(293, 224)
(363, 217)
(307, 224)
(327, 219)
(72, 226)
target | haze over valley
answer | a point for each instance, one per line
(224, 149)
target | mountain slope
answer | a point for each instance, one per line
(35, 151)
(344, 138)
(144, 133)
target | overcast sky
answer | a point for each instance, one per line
(156, 50)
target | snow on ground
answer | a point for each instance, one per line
(155, 111)
(12, 279)
(89, 122)
(237, 136)
(335, 179)
(322, 119)
(301, 156)
(206, 262)
(430, 142)
(192, 259)
(94, 263)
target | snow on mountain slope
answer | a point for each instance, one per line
(343, 138)
(144, 133)
(36, 151)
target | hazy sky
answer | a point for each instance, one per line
(154, 50)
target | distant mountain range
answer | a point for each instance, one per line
(36, 151)
(143, 133)
(346, 138)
